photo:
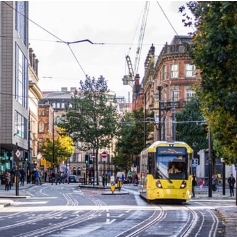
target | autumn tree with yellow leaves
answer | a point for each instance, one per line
(62, 146)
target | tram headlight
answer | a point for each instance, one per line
(183, 184)
(158, 184)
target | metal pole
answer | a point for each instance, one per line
(29, 151)
(144, 120)
(209, 164)
(235, 185)
(17, 171)
(223, 178)
(173, 119)
(159, 125)
(164, 128)
(93, 168)
(53, 142)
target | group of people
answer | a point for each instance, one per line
(9, 178)
(59, 177)
(215, 185)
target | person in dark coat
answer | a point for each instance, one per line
(231, 181)
(194, 183)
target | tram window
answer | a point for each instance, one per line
(164, 164)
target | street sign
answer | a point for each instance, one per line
(92, 156)
(104, 154)
(18, 153)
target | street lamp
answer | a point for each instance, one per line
(173, 116)
(159, 125)
(53, 133)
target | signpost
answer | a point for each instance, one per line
(18, 154)
(104, 156)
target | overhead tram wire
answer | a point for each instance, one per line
(167, 18)
(60, 40)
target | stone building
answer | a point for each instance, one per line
(167, 85)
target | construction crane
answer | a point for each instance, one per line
(127, 79)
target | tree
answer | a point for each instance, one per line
(214, 52)
(191, 127)
(92, 120)
(131, 138)
(61, 148)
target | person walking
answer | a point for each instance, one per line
(201, 183)
(22, 177)
(58, 178)
(231, 181)
(7, 180)
(215, 186)
(194, 183)
(36, 177)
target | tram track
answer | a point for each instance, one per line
(196, 222)
(70, 201)
(156, 217)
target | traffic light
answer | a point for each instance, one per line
(87, 159)
(26, 158)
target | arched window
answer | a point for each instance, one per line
(41, 126)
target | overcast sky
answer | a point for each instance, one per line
(116, 24)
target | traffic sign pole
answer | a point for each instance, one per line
(18, 154)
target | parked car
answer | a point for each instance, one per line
(73, 179)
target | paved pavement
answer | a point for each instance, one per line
(228, 214)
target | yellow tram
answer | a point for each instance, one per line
(165, 173)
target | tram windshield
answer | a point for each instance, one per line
(172, 166)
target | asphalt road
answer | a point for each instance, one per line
(66, 210)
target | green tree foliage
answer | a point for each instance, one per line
(131, 138)
(214, 52)
(62, 147)
(190, 126)
(92, 120)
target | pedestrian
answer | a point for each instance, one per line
(103, 180)
(194, 183)
(7, 180)
(52, 177)
(201, 183)
(215, 186)
(45, 176)
(22, 176)
(40, 177)
(36, 177)
(231, 181)
(123, 178)
(58, 178)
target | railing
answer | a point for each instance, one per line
(168, 105)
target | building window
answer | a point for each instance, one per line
(21, 78)
(21, 25)
(39, 113)
(174, 96)
(164, 72)
(174, 71)
(189, 94)
(190, 70)
(41, 127)
(20, 125)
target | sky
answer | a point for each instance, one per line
(114, 28)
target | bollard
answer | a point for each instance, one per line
(112, 187)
